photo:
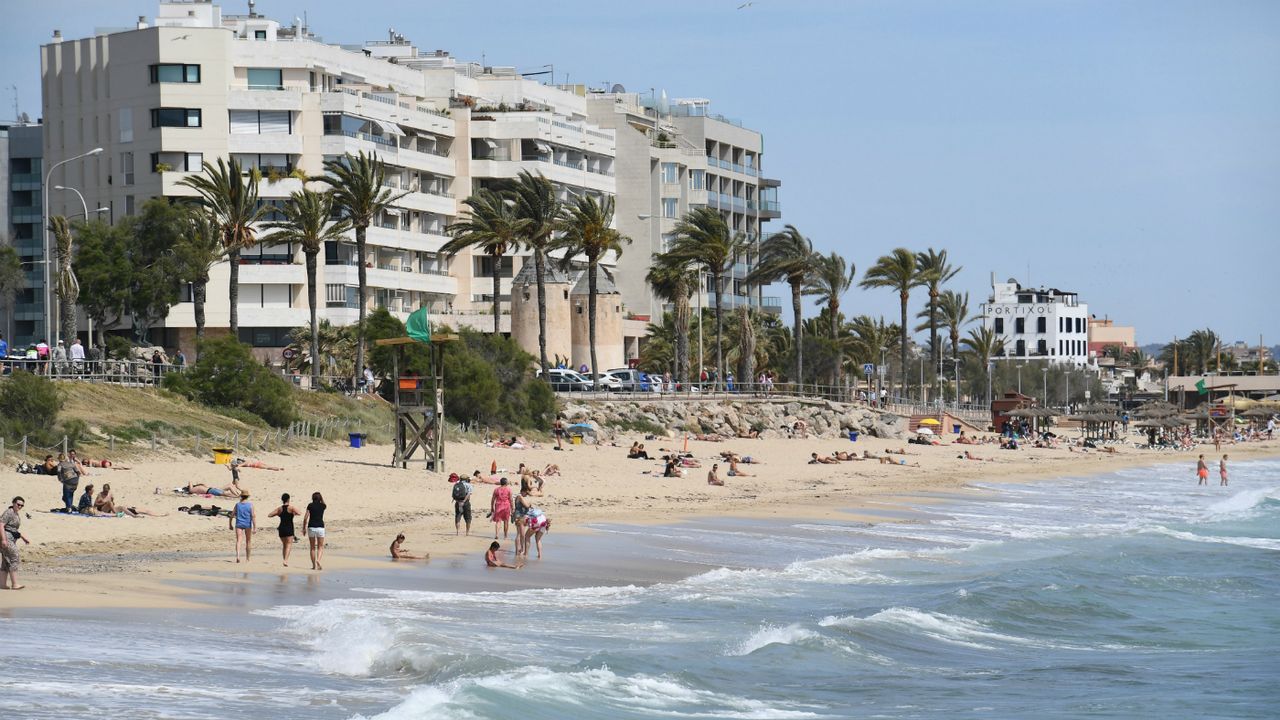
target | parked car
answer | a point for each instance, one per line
(565, 380)
(607, 381)
(630, 379)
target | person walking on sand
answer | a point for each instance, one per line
(500, 508)
(286, 513)
(244, 520)
(10, 534)
(313, 521)
(557, 429)
(461, 495)
(1217, 440)
(1222, 471)
(1202, 471)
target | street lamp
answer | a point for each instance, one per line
(48, 281)
(1045, 370)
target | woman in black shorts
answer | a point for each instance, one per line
(285, 512)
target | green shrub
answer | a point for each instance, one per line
(29, 405)
(119, 348)
(228, 376)
(76, 431)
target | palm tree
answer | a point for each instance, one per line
(64, 278)
(703, 239)
(674, 281)
(230, 197)
(985, 344)
(1138, 360)
(934, 270)
(788, 256)
(587, 231)
(830, 279)
(308, 221)
(492, 228)
(1200, 348)
(11, 275)
(360, 195)
(535, 201)
(953, 311)
(197, 252)
(897, 271)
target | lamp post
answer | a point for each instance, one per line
(1045, 370)
(48, 284)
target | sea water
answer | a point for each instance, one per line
(1134, 594)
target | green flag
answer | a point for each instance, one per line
(1200, 386)
(419, 327)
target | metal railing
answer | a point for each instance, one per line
(119, 372)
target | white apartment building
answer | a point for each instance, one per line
(672, 157)
(198, 85)
(1038, 324)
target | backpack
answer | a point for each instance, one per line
(67, 474)
(459, 491)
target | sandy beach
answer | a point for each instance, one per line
(153, 561)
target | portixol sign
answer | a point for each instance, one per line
(1019, 309)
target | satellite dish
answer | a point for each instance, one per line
(617, 88)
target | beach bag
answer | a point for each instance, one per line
(459, 491)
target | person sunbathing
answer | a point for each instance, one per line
(899, 451)
(713, 437)
(233, 490)
(551, 469)
(49, 466)
(735, 471)
(103, 463)
(970, 456)
(105, 503)
(964, 439)
(728, 455)
(814, 459)
(255, 464)
(844, 456)
(749, 434)
(713, 478)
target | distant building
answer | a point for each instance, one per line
(568, 332)
(1105, 333)
(21, 176)
(1038, 323)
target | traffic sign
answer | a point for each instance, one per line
(289, 353)
(868, 369)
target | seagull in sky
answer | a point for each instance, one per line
(746, 4)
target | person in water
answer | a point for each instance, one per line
(491, 557)
(1202, 471)
(1222, 471)
(286, 512)
(244, 520)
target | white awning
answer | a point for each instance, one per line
(542, 147)
(390, 128)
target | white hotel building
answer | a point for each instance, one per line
(1038, 324)
(195, 85)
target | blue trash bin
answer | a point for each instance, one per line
(853, 436)
(955, 429)
(357, 439)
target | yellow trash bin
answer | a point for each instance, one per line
(576, 440)
(222, 456)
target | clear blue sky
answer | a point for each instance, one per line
(1129, 151)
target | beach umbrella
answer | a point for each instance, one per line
(1157, 409)
(1020, 413)
(929, 421)
(924, 431)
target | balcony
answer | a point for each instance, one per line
(770, 209)
(269, 143)
(258, 97)
(432, 282)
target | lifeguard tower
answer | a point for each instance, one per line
(418, 401)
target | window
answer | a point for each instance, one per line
(175, 73)
(1019, 326)
(669, 207)
(175, 117)
(194, 162)
(126, 168)
(261, 122)
(1079, 325)
(265, 337)
(999, 326)
(128, 205)
(266, 79)
(1042, 346)
(126, 125)
(259, 34)
(670, 173)
(1040, 324)
(697, 179)
(1020, 349)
